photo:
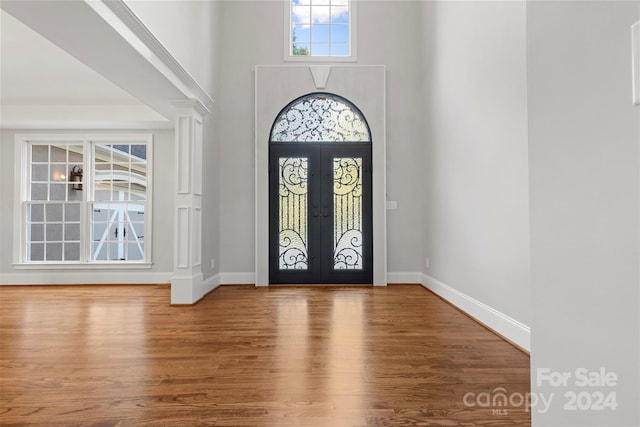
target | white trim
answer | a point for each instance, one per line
(353, 37)
(209, 284)
(635, 61)
(506, 326)
(93, 277)
(237, 278)
(404, 277)
(71, 265)
(131, 28)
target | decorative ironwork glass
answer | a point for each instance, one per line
(293, 229)
(320, 117)
(347, 205)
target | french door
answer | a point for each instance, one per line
(320, 213)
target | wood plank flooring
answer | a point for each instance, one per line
(246, 356)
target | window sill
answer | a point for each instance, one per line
(81, 265)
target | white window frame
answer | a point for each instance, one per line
(22, 179)
(352, 57)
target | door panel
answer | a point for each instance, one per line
(347, 231)
(320, 213)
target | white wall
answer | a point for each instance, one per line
(163, 212)
(475, 172)
(186, 29)
(211, 157)
(584, 169)
(253, 35)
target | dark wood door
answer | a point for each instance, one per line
(320, 213)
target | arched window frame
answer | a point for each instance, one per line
(323, 121)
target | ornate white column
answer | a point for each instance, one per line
(187, 282)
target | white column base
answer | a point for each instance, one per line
(186, 289)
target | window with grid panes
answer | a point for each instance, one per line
(87, 200)
(320, 29)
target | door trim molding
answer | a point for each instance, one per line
(275, 87)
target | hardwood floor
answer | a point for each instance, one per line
(246, 356)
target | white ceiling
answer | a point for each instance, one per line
(41, 84)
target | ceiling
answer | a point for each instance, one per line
(42, 86)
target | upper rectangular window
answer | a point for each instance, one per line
(320, 30)
(84, 200)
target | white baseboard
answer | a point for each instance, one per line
(84, 277)
(250, 278)
(209, 284)
(237, 278)
(404, 277)
(513, 330)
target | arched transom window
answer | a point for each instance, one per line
(320, 117)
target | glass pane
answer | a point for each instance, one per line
(75, 153)
(72, 251)
(72, 232)
(54, 212)
(340, 15)
(138, 153)
(99, 214)
(339, 34)
(40, 173)
(102, 153)
(57, 192)
(39, 192)
(320, 118)
(300, 14)
(115, 252)
(54, 252)
(320, 34)
(136, 213)
(54, 232)
(36, 213)
(301, 33)
(37, 233)
(58, 153)
(347, 205)
(320, 14)
(293, 230)
(72, 212)
(58, 172)
(138, 229)
(40, 153)
(102, 183)
(36, 252)
(339, 49)
(303, 48)
(320, 49)
(98, 251)
(138, 181)
(121, 190)
(134, 252)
